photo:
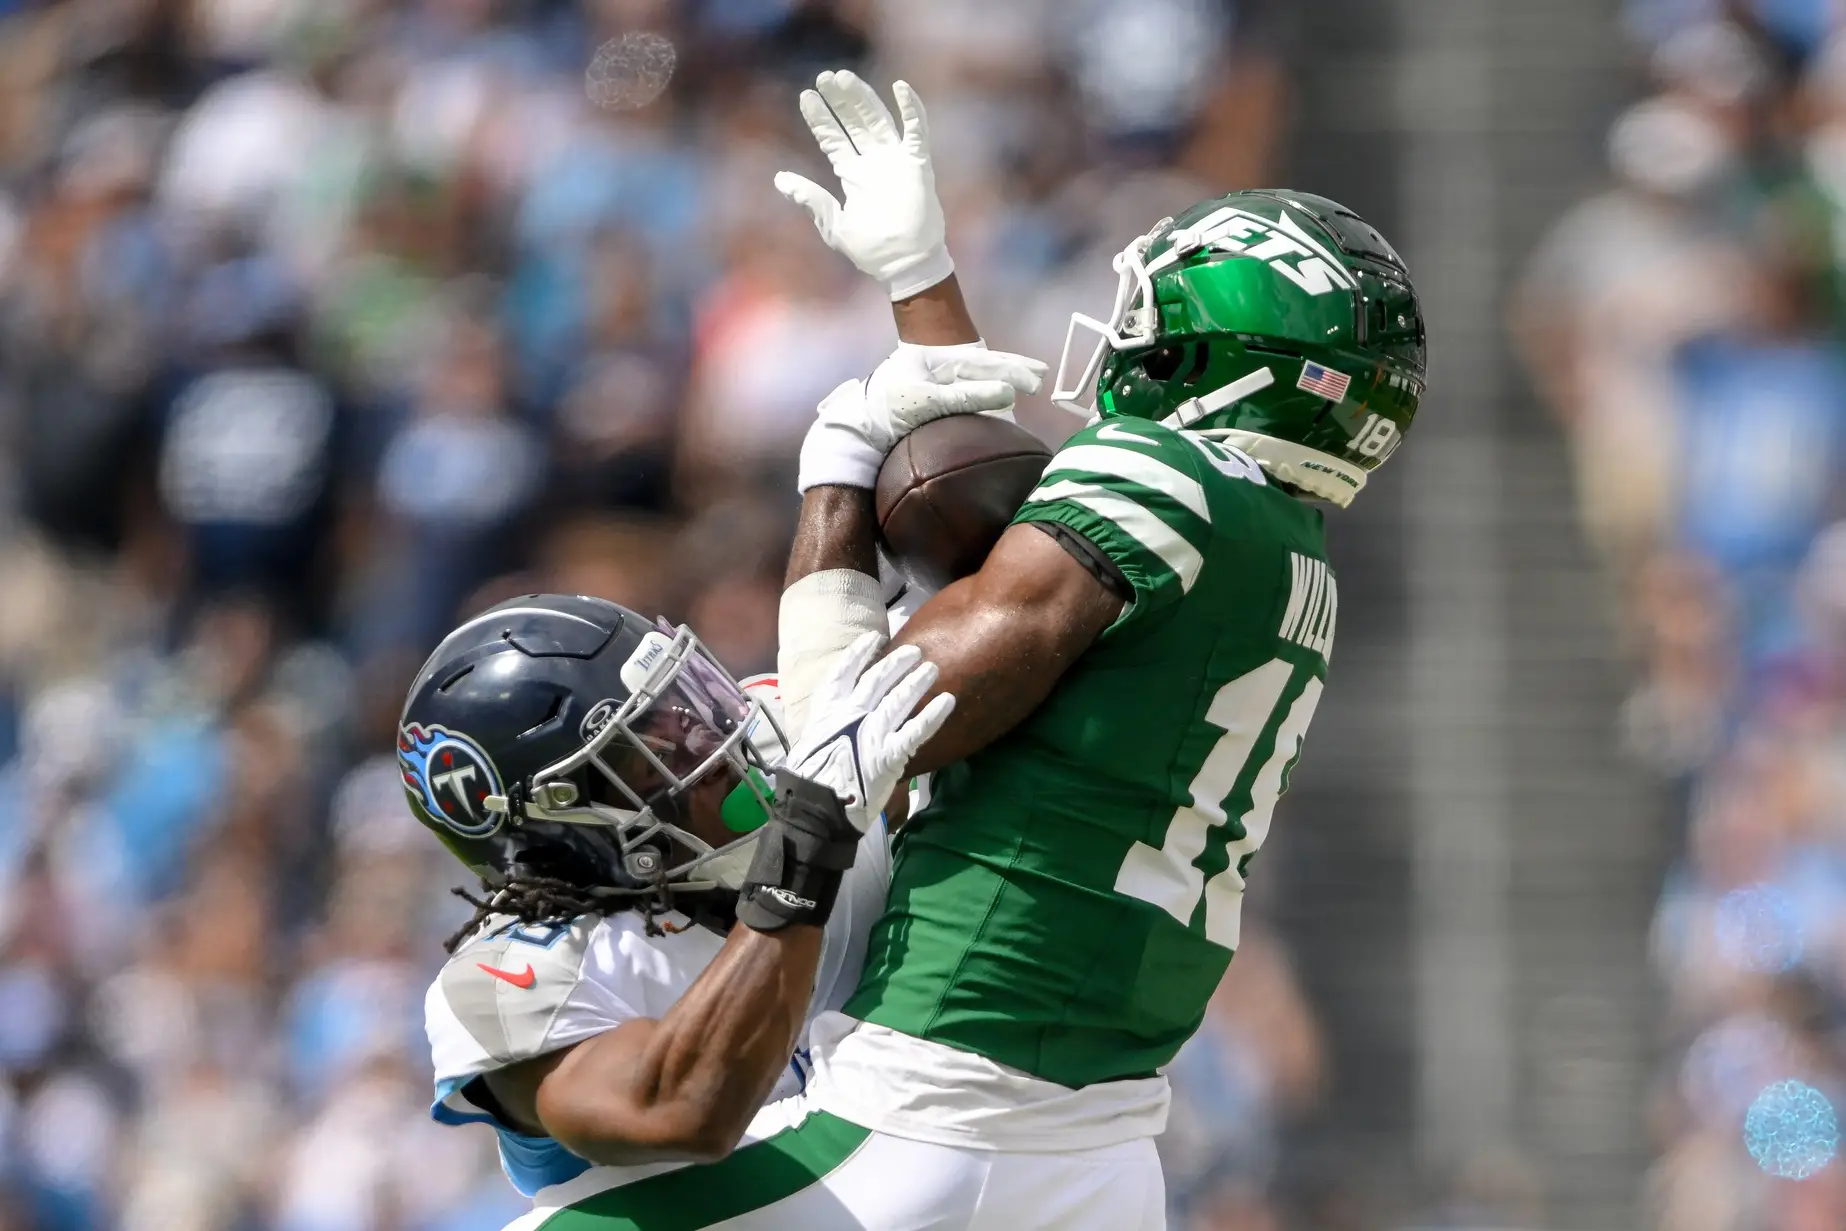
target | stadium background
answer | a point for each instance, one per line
(321, 322)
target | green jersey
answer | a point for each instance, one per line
(1070, 897)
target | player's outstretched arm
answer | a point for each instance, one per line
(890, 225)
(891, 218)
(837, 528)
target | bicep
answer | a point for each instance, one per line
(575, 1097)
(512, 1092)
(1004, 637)
(578, 1098)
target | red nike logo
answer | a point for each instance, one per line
(525, 978)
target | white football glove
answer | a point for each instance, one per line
(858, 741)
(861, 420)
(891, 224)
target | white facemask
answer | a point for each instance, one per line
(1130, 325)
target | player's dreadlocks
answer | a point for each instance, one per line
(530, 898)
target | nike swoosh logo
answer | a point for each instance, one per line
(525, 978)
(1115, 431)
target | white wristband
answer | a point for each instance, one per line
(935, 266)
(820, 617)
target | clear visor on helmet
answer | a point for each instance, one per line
(686, 727)
(1131, 324)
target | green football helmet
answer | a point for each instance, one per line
(1277, 322)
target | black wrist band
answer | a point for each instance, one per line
(802, 854)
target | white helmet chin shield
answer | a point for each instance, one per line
(1131, 324)
(685, 720)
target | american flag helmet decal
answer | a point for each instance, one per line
(1324, 381)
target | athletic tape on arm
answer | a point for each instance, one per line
(821, 615)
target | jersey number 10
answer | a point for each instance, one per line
(1167, 876)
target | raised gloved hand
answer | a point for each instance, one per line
(861, 420)
(891, 223)
(861, 733)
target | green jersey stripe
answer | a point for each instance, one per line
(1136, 467)
(1133, 519)
(1193, 529)
(758, 1175)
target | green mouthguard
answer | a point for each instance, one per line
(743, 811)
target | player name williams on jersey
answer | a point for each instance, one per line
(1072, 895)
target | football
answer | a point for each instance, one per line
(948, 490)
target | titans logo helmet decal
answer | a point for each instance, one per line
(450, 777)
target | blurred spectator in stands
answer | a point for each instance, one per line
(1621, 282)
(455, 481)
(616, 407)
(776, 332)
(1676, 717)
(1254, 1065)
(89, 277)
(251, 452)
(1762, 421)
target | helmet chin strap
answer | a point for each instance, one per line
(1194, 409)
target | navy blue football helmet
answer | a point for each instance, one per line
(558, 735)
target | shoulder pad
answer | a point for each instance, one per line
(508, 984)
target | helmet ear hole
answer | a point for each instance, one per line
(1198, 359)
(1164, 363)
(1186, 363)
(555, 861)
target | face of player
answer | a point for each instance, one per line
(681, 740)
(684, 755)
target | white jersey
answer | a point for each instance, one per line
(515, 992)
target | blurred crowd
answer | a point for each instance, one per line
(323, 322)
(1688, 326)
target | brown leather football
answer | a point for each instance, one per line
(948, 490)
